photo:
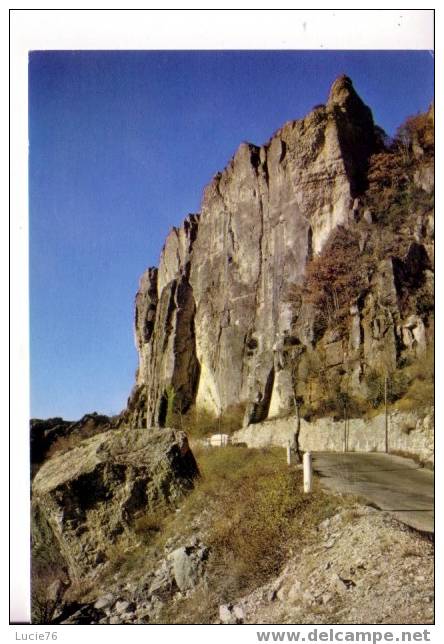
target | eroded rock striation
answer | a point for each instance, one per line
(224, 320)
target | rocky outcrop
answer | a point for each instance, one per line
(48, 435)
(91, 495)
(188, 564)
(224, 321)
(43, 434)
(262, 218)
(165, 333)
(140, 600)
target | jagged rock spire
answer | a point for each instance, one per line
(223, 314)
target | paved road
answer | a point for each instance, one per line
(388, 482)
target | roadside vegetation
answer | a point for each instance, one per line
(201, 423)
(252, 513)
(249, 509)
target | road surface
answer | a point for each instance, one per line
(398, 485)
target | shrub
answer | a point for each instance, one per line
(148, 525)
(171, 413)
(331, 286)
(200, 423)
(411, 387)
(419, 383)
(375, 388)
(391, 193)
(268, 514)
(64, 443)
(48, 566)
(418, 130)
(397, 384)
(334, 407)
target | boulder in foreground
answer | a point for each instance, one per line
(92, 494)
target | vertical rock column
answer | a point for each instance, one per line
(167, 358)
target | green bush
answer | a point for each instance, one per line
(47, 567)
(171, 414)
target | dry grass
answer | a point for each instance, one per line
(47, 567)
(136, 550)
(63, 444)
(249, 509)
(409, 552)
(257, 512)
(420, 391)
(200, 423)
(351, 514)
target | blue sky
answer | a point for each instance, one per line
(121, 147)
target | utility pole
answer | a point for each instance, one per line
(343, 398)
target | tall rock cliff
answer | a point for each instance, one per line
(227, 320)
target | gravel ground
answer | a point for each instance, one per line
(360, 567)
(363, 568)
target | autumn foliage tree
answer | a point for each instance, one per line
(392, 193)
(416, 131)
(337, 276)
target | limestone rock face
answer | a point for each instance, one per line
(224, 321)
(92, 494)
(164, 331)
(262, 218)
(145, 317)
(220, 300)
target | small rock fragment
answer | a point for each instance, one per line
(104, 601)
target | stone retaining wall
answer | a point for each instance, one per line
(409, 433)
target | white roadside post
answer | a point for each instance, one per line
(308, 472)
